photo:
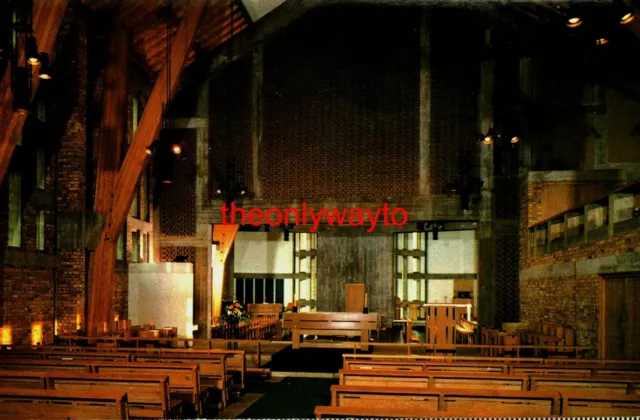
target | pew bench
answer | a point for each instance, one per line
(45, 365)
(331, 412)
(609, 384)
(333, 324)
(591, 404)
(23, 404)
(213, 370)
(463, 380)
(184, 378)
(424, 365)
(576, 369)
(504, 402)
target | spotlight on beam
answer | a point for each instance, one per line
(176, 148)
(45, 70)
(515, 139)
(602, 41)
(625, 12)
(488, 138)
(574, 22)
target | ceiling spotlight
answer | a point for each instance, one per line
(602, 41)
(176, 149)
(148, 151)
(515, 139)
(242, 192)
(45, 71)
(219, 191)
(574, 22)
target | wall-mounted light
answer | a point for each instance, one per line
(515, 139)
(574, 22)
(602, 41)
(176, 148)
(45, 70)
(488, 138)
(31, 50)
(625, 12)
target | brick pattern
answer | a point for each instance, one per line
(168, 254)
(341, 107)
(572, 301)
(176, 201)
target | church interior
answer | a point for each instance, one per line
(319, 209)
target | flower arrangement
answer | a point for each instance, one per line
(233, 311)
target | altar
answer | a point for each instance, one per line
(439, 319)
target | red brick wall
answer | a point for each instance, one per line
(574, 300)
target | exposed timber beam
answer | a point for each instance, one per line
(48, 15)
(112, 130)
(100, 286)
(223, 237)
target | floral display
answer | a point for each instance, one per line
(233, 311)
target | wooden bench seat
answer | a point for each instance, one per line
(148, 395)
(83, 355)
(575, 369)
(19, 404)
(46, 365)
(334, 324)
(463, 380)
(213, 371)
(418, 366)
(610, 384)
(331, 412)
(591, 404)
(184, 378)
(504, 403)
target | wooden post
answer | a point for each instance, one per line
(101, 284)
(114, 121)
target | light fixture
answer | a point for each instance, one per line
(574, 22)
(176, 148)
(602, 41)
(31, 49)
(22, 90)
(488, 138)
(148, 151)
(45, 71)
(627, 18)
(515, 139)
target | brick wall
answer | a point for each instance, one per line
(70, 287)
(570, 300)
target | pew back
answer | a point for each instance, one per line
(19, 404)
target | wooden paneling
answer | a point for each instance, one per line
(362, 258)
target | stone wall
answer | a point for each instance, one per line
(563, 287)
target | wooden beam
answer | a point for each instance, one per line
(48, 15)
(114, 123)
(100, 302)
(223, 237)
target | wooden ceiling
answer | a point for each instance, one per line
(222, 20)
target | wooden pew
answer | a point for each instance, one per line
(148, 395)
(184, 378)
(23, 404)
(331, 412)
(576, 369)
(82, 355)
(419, 366)
(213, 370)
(591, 404)
(608, 384)
(462, 380)
(337, 324)
(458, 402)
(46, 365)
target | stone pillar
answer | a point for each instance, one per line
(486, 239)
(256, 117)
(71, 166)
(203, 276)
(425, 104)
